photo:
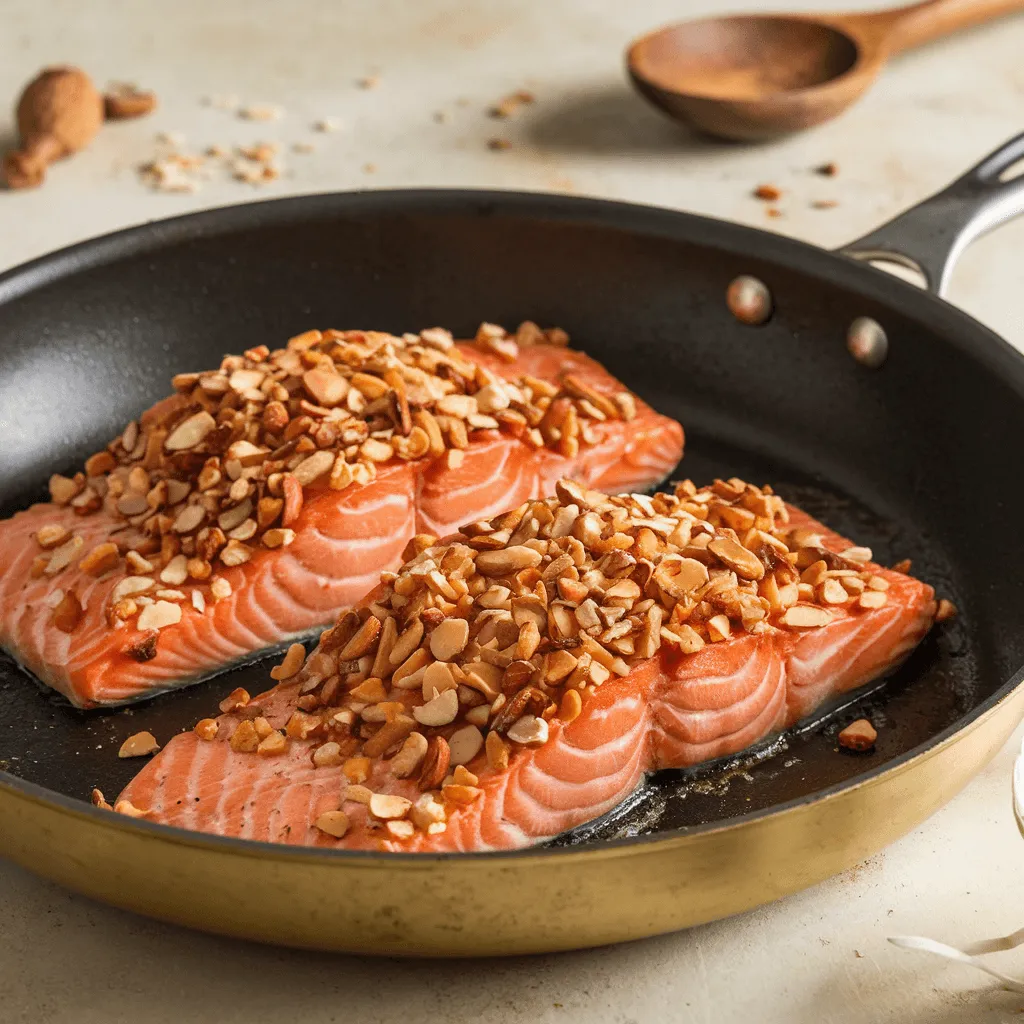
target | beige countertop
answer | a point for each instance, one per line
(820, 957)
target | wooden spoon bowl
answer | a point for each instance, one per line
(754, 77)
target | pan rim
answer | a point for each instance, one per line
(987, 347)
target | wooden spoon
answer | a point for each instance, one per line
(757, 76)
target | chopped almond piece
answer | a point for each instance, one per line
(859, 735)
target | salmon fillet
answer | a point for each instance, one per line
(521, 678)
(248, 508)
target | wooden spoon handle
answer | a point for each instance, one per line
(912, 26)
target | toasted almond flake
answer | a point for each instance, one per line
(803, 616)
(141, 744)
(198, 601)
(63, 556)
(356, 770)
(408, 760)
(52, 535)
(278, 538)
(189, 519)
(333, 823)
(388, 807)
(437, 678)
(220, 588)
(176, 571)
(159, 615)
(170, 595)
(858, 554)
(63, 489)
(529, 730)
(235, 553)
(440, 711)
(400, 829)
(129, 810)
(464, 744)
(358, 794)
(291, 664)
(449, 639)
(872, 599)
(190, 432)
(570, 707)
(206, 729)
(137, 563)
(507, 560)
(945, 611)
(859, 735)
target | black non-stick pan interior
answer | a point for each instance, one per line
(914, 459)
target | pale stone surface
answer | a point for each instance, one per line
(65, 959)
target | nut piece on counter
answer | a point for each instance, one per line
(126, 101)
(58, 114)
(859, 735)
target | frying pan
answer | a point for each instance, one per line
(876, 405)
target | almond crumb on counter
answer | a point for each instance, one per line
(769, 193)
(511, 104)
(828, 170)
(141, 744)
(498, 144)
(124, 100)
(945, 611)
(859, 735)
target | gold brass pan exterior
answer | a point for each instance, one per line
(483, 904)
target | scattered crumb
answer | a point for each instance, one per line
(858, 954)
(946, 610)
(498, 144)
(167, 176)
(303, 147)
(261, 112)
(511, 104)
(327, 124)
(442, 116)
(829, 170)
(216, 152)
(859, 735)
(171, 138)
(369, 168)
(368, 82)
(769, 193)
(825, 204)
(261, 152)
(773, 211)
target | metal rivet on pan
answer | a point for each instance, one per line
(749, 300)
(867, 342)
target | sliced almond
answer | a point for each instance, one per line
(333, 823)
(159, 614)
(141, 744)
(388, 807)
(190, 432)
(464, 744)
(449, 639)
(440, 711)
(805, 616)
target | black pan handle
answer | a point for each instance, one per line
(930, 237)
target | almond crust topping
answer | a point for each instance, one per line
(219, 472)
(491, 642)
